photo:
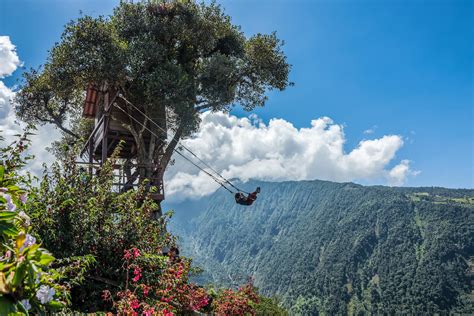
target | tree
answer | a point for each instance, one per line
(31, 279)
(173, 59)
(136, 267)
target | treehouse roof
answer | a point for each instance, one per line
(90, 104)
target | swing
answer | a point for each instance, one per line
(240, 197)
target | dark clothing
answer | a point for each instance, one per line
(241, 199)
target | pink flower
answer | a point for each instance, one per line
(106, 295)
(136, 253)
(127, 255)
(135, 304)
(137, 272)
(166, 312)
(149, 312)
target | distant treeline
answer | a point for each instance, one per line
(331, 248)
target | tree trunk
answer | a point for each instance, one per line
(154, 154)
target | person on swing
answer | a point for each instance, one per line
(241, 199)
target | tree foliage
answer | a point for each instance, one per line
(171, 58)
(78, 216)
(31, 279)
(329, 248)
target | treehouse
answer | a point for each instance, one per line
(111, 126)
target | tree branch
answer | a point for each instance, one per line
(57, 121)
(67, 131)
(171, 147)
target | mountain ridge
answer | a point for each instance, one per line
(326, 247)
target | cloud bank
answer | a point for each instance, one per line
(9, 62)
(243, 148)
(246, 148)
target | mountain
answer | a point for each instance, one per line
(338, 248)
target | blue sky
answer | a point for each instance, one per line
(396, 67)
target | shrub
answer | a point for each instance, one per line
(27, 281)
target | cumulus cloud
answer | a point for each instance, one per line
(9, 62)
(243, 148)
(398, 174)
(246, 148)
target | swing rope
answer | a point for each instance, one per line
(181, 145)
(178, 152)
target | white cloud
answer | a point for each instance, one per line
(370, 130)
(246, 148)
(5, 97)
(243, 148)
(8, 57)
(9, 126)
(397, 175)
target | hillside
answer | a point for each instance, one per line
(333, 248)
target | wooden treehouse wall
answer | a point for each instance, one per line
(102, 104)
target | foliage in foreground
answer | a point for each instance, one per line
(77, 215)
(27, 280)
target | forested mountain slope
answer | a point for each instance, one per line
(333, 248)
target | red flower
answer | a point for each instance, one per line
(137, 272)
(106, 296)
(136, 253)
(127, 255)
(145, 290)
(166, 312)
(149, 312)
(135, 304)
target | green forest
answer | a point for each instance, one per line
(340, 248)
(91, 231)
(89, 234)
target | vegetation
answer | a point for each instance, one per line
(323, 248)
(28, 280)
(107, 249)
(329, 248)
(171, 58)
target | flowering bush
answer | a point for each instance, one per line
(110, 250)
(157, 284)
(240, 302)
(163, 288)
(27, 282)
(79, 215)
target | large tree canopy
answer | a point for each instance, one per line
(172, 58)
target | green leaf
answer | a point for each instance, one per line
(45, 259)
(2, 172)
(7, 307)
(32, 252)
(13, 188)
(7, 215)
(22, 308)
(55, 305)
(8, 229)
(20, 273)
